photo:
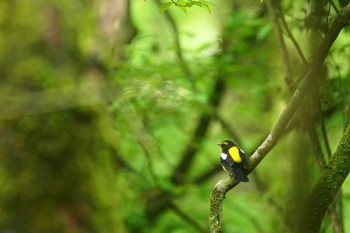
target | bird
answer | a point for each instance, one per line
(233, 159)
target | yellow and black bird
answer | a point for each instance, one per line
(232, 160)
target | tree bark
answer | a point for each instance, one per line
(326, 187)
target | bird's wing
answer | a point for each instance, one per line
(242, 154)
(244, 158)
(227, 159)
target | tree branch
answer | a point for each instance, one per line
(223, 186)
(341, 21)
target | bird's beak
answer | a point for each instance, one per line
(220, 145)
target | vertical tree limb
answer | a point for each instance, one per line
(327, 187)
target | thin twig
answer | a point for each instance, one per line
(178, 49)
(292, 38)
(334, 6)
(275, 14)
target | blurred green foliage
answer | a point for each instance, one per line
(57, 165)
(102, 159)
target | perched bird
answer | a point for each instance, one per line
(232, 160)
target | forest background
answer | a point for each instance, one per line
(111, 112)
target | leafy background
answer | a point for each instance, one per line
(98, 110)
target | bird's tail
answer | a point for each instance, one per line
(240, 173)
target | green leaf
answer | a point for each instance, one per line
(164, 6)
(182, 3)
(206, 6)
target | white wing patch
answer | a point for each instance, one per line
(241, 150)
(223, 156)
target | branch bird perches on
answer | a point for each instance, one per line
(224, 185)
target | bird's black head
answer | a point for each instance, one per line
(226, 144)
